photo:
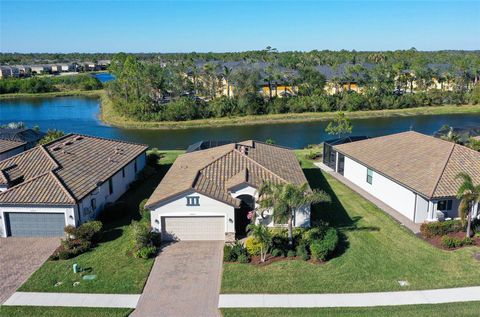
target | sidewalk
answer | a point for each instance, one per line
(404, 221)
(464, 294)
(73, 300)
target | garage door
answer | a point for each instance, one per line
(193, 228)
(35, 224)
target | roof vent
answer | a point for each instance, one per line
(56, 148)
(78, 138)
(67, 143)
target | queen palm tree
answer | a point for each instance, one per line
(469, 195)
(285, 199)
(227, 74)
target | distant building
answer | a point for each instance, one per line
(28, 136)
(9, 71)
(41, 69)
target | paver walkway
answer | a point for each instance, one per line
(184, 281)
(73, 300)
(464, 294)
(404, 221)
(19, 258)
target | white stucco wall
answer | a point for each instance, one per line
(12, 152)
(102, 195)
(208, 207)
(68, 211)
(390, 192)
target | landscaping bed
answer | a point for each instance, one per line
(449, 235)
(375, 253)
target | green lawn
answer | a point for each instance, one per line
(35, 311)
(116, 271)
(375, 254)
(438, 310)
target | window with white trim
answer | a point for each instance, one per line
(444, 205)
(369, 176)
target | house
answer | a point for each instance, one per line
(28, 136)
(10, 148)
(41, 69)
(208, 194)
(330, 155)
(413, 173)
(65, 182)
(9, 71)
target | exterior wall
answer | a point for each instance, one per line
(208, 207)
(390, 192)
(15, 151)
(102, 195)
(70, 214)
(421, 209)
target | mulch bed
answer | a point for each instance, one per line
(437, 240)
(255, 260)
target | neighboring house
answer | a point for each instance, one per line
(28, 136)
(413, 173)
(10, 148)
(41, 69)
(207, 194)
(9, 71)
(65, 182)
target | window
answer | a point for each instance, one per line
(369, 176)
(444, 205)
(193, 201)
(123, 172)
(93, 204)
(110, 186)
(135, 166)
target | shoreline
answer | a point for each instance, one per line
(107, 115)
(53, 94)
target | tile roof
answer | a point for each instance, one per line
(21, 135)
(424, 164)
(8, 145)
(213, 172)
(78, 162)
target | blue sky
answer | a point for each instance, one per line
(218, 26)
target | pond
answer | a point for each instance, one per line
(79, 114)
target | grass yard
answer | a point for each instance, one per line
(36, 311)
(116, 272)
(439, 310)
(375, 255)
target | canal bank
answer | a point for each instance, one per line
(109, 116)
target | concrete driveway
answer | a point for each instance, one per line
(19, 258)
(184, 281)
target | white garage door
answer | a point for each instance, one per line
(193, 228)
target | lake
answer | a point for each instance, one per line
(79, 114)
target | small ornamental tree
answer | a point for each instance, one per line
(340, 125)
(263, 236)
(469, 195)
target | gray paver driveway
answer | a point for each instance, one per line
(184, 281)
(19, 258)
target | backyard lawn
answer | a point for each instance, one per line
(35, 311)
(438, 310)
(116, 271)
(376, 255)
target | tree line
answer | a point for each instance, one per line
(49, 84)
(154, 91)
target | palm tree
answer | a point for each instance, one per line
(227, 74)
(469, 195)
(286, 199)
(263, 236)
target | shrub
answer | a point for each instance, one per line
(280, 242)
(145, 252)
(238, 249)
(291, 254)
(253, 246)
(302, 251)
(454, 242)
(144, 212)
(313, 155)
(228, 254)
(315, 233)
(277, 253)
(243, 258)
(141, 237)
(153, 157)
(90, 231)
(440, 228)
(322, 249)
